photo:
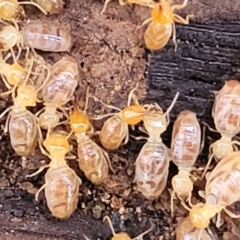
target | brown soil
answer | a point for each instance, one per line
(112, 60)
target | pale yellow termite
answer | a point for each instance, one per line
(59, 89)
(92, 159)
(185, 147)
(61, 182)
(151, 167)
(226, 115)
(187, 231)
(222, 189)
(47, 36)
(162, 24)
(21, 123)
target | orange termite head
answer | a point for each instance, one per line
(57, 144)
(133, 114)
(201, 214)
(79, 121)
(162, 13)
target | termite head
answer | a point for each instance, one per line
(201, 214)
(9, 9)
(133, 114)
(155, 123)
(49, 118)
(9, 37)
(57, 145)
(222, 148)
(79, 122)
(182, 184)
(162, 13)
(27, 95)
(14, 73)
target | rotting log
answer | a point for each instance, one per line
(207, 55)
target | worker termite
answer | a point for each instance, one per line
(185, 147)
(11, 9)
(21, 123)
(147, 3)
(186, 230)
(51, 6)
(92, 159)
(47, 37)
(162, 24)
(61, 182)
(226, 115)
(222, 189)
(151, 166)
(115, 129)
(58, 90)
(123, 235)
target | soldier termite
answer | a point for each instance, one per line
(162, 24)
(151, 167)
(226, 115)
(185, 147)
(61, 182)
(92, 159)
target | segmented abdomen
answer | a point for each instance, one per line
(157, 35)
(113, 133)
(47, 37)
(92, 161)
(61, 191)
(222, 185)
(151, 169)
(23, 132)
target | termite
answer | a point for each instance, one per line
(147, 3)
(185, 147)
(151, 166)
(47, 37)
(11, 9)
(115, 129)
(61, 182)
(186, 231)
(226, 115)
(222, 189)
(162, 24)
(51, 6)
(21, 123)
(58, 90)
(13, 75)
(92, 159)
